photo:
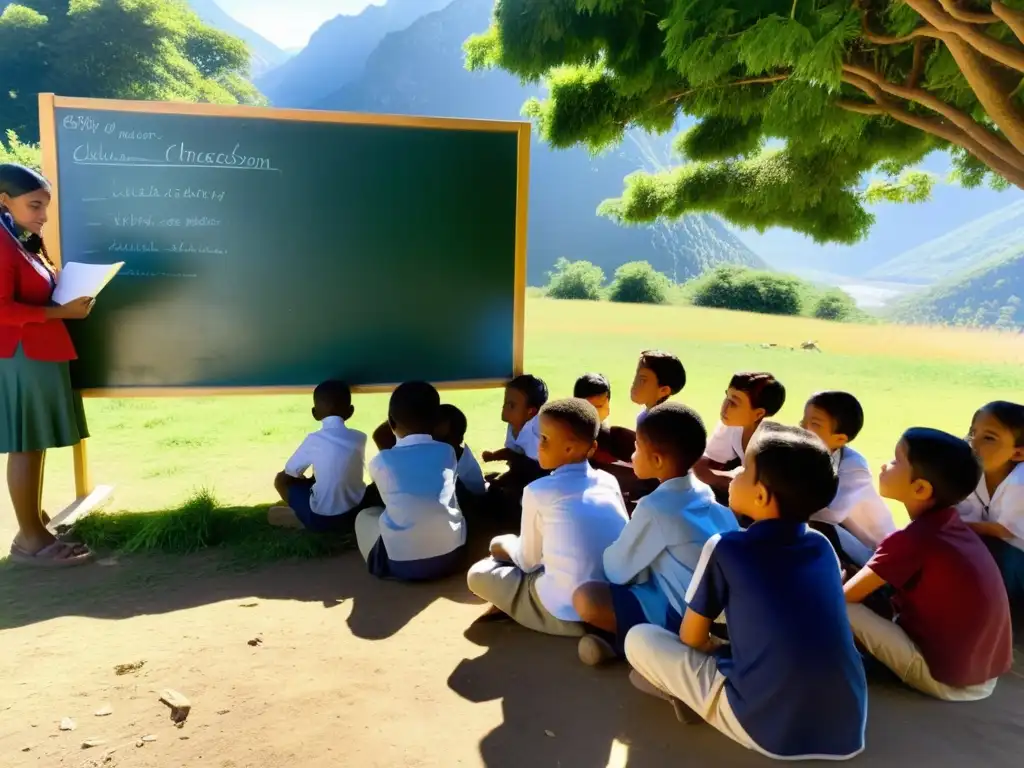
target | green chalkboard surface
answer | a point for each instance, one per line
(267, 252)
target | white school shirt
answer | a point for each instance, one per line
(1005, 506)
(570, 518)
(725, 444)
(416, 480)
(857, 505)
(528, 441)
(337, 455)
(665, 537)
(470, 473)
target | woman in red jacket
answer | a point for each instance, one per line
(38, 408)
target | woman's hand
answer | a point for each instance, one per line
(77, 309)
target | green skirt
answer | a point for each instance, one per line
(38, 407)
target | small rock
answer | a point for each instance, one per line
(256, 641)
(183, 738)
(124, 669)
(223, 711)
(67, 724)
(90, 743)
(140, 743)
(26, 749)
(548, 733)
(104, 711)
(253, 604)
(178, 702)
(149, 738)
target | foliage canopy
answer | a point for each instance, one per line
(804, 110)
(116, 49)
(575, 280)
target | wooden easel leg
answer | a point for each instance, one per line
(88, 497)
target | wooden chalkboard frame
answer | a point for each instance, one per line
(48, 105)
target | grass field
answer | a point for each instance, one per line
(158, 452)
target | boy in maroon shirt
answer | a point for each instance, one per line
(951, 634)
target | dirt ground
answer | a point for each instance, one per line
(357, 672)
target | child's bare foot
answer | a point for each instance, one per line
(494, 613)
(594, 651)
(283, 517)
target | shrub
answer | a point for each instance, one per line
(835, 305)
(639, 283)
(22, 154)
(575, 280)
(749, 290)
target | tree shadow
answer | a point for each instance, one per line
(562, 713)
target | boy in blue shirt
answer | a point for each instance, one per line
(794, 685)
(650, 565)
(419, 533)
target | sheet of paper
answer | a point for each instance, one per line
(77, 280)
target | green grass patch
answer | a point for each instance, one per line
(201, 524)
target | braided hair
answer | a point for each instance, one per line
(15, 181)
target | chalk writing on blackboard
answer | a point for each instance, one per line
(175, 156)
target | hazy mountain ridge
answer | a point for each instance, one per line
(337, 52)
(265, 55)
(420, 70)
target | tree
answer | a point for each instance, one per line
(117, 49)
(639, 283)
(797, 103)
(835, 305)
(575, 280)
(749, 290)
(18, 152)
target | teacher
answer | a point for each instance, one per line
(38, 408)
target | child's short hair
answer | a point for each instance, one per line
(666, 367)
(333, 396)
(535, 389)
(414, 407)
(1010, 415)
(844, 409)
(577, 414)
(763, 389)
(795, 468)
(945, 461)
(455, 420)
(675, 430)
(591, 385)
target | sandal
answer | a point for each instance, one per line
(59, 554)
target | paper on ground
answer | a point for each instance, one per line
(77, 280)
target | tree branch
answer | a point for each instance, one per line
(934, 126)
(1013, 19)
(971, 127)
(918, 67)
(861, 108)
(935, 14)
(969, 17)
(746, 81)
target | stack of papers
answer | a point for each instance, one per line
(77, 280)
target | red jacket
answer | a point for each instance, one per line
(25, 292)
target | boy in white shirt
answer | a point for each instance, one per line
(650, 565)
(419, 533)
(330, 499)
(995, 511)
(451, 429)
(659, 376)
(857, 519)
(569, 518)
(750, 399)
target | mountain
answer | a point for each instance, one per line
(265, 55)
(974, 244)
(337, 52)
(990, 295)
(420, 71)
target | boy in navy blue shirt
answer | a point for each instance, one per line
(794, 685)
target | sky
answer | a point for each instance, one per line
(289, 23)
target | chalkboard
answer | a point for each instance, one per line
(273, 249)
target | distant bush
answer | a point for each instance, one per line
(17, 152)
(749, 290)
(835, 305)
(575, 280)
(639, 283)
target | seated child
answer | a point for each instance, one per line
(330, 499)
(837, 418)
(569, 518)
(659, 376)
(451, 428)
(420, 532)
(650, 565)
(794, 685)
(951, 635)
(750, 398)
(996, 508)
(524, 397)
